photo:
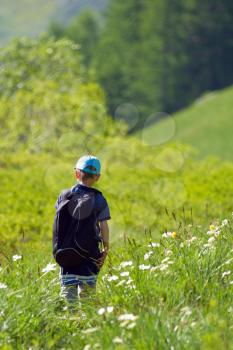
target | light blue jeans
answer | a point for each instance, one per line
(74, 287)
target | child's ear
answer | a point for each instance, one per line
(77, 174)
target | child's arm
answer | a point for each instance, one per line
(105, 234)
(104, 229)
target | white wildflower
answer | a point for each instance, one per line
(144, 267)
(49, 267)
(208, 246)
(121, 283)
(231, 282)
(191, 240)
(87, 347)
(165, 260)
(5, 326)
(124, 274)
(226, 273)
(117, 340)
(101, 311)
(225, 222)
(16, 257)
(210, 233)
(167, 234)
(163, 267)
(110, 309)
(147, 255)
(3, 286)
(131, 286)
(126, 263)
(131, 325)
(230, 309)
(89, 330)
(127, 317)
(129, 281)
(214, 230)
(124, 323)
(154, 245)
(227, 262)
(185, 313)
(113, 278)
(104, 277)
(217, 233)
(154, 268)
(168, 252)
(211, 240)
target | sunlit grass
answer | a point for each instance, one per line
(173, 293)
(206, 125)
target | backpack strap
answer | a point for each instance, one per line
(63, 198)
(65, 194)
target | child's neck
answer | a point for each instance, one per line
(87, 184)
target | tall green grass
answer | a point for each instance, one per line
(175, 294)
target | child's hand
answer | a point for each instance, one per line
(102, 258)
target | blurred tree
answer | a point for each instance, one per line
(119, 53)
(160, 55)
(210, 46)
(47, 103)
(25, 60)
(84, 30)
(56, 29)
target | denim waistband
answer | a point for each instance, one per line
(77, 279)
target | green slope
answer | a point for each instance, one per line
(31, 17)
(207, 125)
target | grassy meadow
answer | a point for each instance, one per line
(171, 293)
(167, 283)
(206, 125)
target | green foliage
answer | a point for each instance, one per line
(163, 55)
(47, 102)
(120, 44)
(25, 61)
(142, 197)
(84, 30)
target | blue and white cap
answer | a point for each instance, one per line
(89, 164)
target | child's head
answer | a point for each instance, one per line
(87, 170)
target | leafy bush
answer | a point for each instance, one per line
(25, 61)
(47, 100)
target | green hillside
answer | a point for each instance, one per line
(207, 125)
(31, 17)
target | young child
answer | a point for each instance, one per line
(79, 281)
